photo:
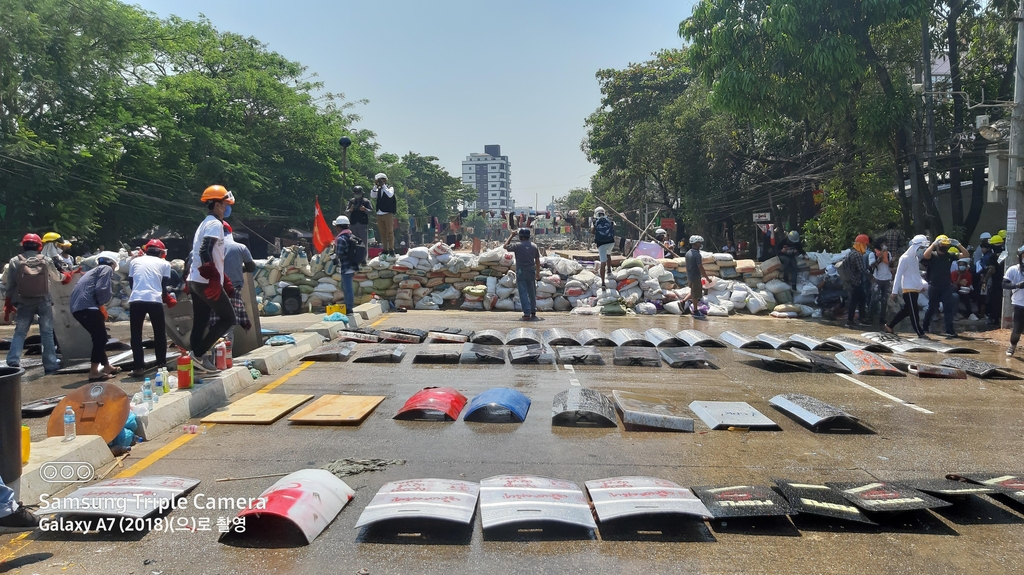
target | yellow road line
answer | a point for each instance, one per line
(8, 551)
(378, 320)
(286, 377)
(158, 454)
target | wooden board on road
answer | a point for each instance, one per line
(258, 408)
(338, 410)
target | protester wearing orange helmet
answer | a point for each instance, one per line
(28, 294)
(856, 265)
(207, 283)
(149, 276)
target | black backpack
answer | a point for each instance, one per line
(604, 231)
(344, 250)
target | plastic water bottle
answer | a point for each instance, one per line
(69, 424)
(158, 385)
(167, 383)
(147, 393)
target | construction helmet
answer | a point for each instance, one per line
(953, 251)
(51, 237)
(862, 239)
(660, 232)
(31, 239)
(1020, 251)
(942, 240)
(794, 236)
(696, 240)
(380, 176)
(1002, 234)
(996, 241)
(154, 244)
(598, 212)
(341, 221)
(217, 193)
(524, 233)
(985, 236)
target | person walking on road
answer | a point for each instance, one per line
(346, 254)
(27, 281)
(1013, 280)
(207, 283)
(788, 250)
(88, 301)
(694, 273)
(387, 207)
(856, 265)
(237, 262)
(149, 276)
(527, 272)
(881, 280)
(937, 261)
(908, 283)
(604, 237)
(359, 217)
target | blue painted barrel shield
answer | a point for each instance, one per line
(498, 405)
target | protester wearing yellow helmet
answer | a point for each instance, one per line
(938, 259)
(53, 248)
(992, 278)
(997, 240)
(209, 287)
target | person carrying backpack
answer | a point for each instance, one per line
(856, 266)
(88, 306)
(348, 255)
(604, 237)
(28, 294)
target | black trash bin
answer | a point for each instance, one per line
(10, 423)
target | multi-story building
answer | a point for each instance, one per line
(490, 173)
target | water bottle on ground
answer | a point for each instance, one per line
(69, 424)
(158, 385)
(147, 393)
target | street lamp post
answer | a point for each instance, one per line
(344, 142)
(1014, 199)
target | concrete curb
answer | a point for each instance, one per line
(85, 449)
(328, 329)
(369, 311)
(269, 359)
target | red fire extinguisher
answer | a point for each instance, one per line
(184, 371)
(230, 361)
(220, 352)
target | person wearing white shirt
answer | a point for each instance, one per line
(1013, 280)
(881, 279)
(908, 283)
(387, 207)
(148, 276)
(209, 287)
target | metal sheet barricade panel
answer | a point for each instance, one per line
(636, 356)
(662, 338)
(818, 361)
(523, 336)
(1011, 486)
(688, 357)
(816, 499)
(849, 343)
(726, 414)
(309, 499)
(527, 499)
(594, 337)
(389, 353)
(135, 497)
(398, 337)
(337, 351)
(579, 355)
(649, 413)
(882, 496)
(629, 337)
(814, 413)
(408, 331)
(743, 501)
(486, 354)
(815, 344)
(439, 353)
(498, 405)
(618, 497)
(740, 341)
(559, 337)
(777, 362)
(582, 407)
(862, 362)
(695, 337)
(896, 343)
(781, 342)
(433, 404)
(980, 369)
(437, 499)
(536, 353)
(948, 488)
(488, 337)
(358, 337)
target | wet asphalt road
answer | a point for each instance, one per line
(975, 426)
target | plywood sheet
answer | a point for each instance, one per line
(338, 410)
(258, 408)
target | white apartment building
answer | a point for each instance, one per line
(490, 173)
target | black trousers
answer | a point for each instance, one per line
(201, 339)
(909, 310)
(1018, 324)
(137, 312)
(92, 321)
(858, 301)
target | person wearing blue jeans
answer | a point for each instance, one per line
(29, 298)
(348, 256)
(527, 272)
(14, 517)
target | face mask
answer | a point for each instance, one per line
(227, 211)
(920, 252)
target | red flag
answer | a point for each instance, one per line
(322, 236)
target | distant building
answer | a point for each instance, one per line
(490, 173)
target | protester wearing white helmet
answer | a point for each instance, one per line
(694, 273)
(348, 257)
(909, 283)
(604, 236)
(788, 250)
(661, 236)
(387, 207)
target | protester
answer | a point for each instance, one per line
(831, 295)
(857, 268)
(387, 207)
(359, 217)
(661, 237)
(788, 250)
(994, 279)
(881, 280)
(729, 248)
(346, 254)
(527, 272)
(894, 238)
(1014, 281)
(981, 277)
(53, 249)
(940, 288)
(604, 237)
(14, 517)
(88, 299)
(149, 276)
(908, 283)
(237, 261)
(694, 273)
(963, 282)
(207, 283)
(27, 281)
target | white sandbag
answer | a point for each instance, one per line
(586, 310)
(717, 311)
(674, 308)
(562, 304)
(440, 248)
(443, 258)
(508, 280)
(505, 305)
(756, 303)
(491, 256)
(784, 314)
(426, 303)
(376, 264)
(776, 286)
(545, 288)
(451, 293)
(421, 253)
(585, 277)
(472, 306)
(646, 308)
(545, 304)
(489, 300)
(567, 267)
(504, 292)
(739, 298)
(492, 285)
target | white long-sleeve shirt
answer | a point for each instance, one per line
(908, 273)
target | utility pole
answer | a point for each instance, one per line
(929, 109)
(344, 142)
(1014, 199)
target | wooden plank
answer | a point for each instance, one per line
(338, 410)
(258, 408)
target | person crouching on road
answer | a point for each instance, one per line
(348, 256)
(694, 273)
(27, 280)
(149, 276)
(237, 261)
(527, 272)
(207, 283)
(88, 299)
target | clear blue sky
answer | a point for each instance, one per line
(444, 78)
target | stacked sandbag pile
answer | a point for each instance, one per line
(317, 278)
